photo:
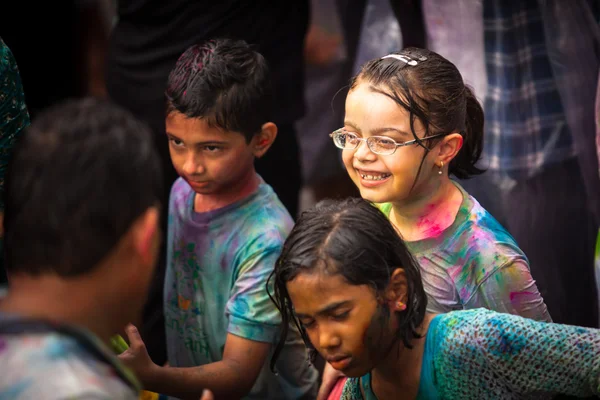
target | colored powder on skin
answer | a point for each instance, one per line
(433, 223)
(375, 332)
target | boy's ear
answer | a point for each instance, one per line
(146, 236)
(264, 139)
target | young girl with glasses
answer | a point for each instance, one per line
(355, 291)
(410, 123)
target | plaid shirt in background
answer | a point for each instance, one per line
(526, 126)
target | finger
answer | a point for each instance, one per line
(135, 340)
(207, 395)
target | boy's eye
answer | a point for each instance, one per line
(212, 149)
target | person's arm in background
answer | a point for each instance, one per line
(230, 378)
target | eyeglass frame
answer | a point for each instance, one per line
(408, 143)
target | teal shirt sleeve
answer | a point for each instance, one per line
(13, 112)
(252, 314)
(481, 351)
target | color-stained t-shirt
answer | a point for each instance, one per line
(218, 263)
(51, 361)
(476, 263)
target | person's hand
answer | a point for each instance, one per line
(136, 356)
(330, 378)
(207, 395)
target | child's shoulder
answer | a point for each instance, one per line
(55, 356)
(262, 222)
(180, 190)
(267, 211)
(485, 236)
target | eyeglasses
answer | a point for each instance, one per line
(382, 145)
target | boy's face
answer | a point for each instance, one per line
(212, 161)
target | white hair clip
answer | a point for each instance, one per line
(404, 59)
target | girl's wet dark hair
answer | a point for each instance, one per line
(352, 238)
(434, 92)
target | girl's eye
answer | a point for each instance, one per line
(307, 324)
(341, 316)
(351, 138)
(176, 142)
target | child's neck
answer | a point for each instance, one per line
(52, 298)
(429, 215)
(399, 374)
(242, 189)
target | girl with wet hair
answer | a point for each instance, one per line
(352, 287)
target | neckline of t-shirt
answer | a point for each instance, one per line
(214, 215)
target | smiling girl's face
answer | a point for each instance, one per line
(385, 178)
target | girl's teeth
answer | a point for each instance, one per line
(375, 177)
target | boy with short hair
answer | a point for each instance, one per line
(81, 241)
(226, 230)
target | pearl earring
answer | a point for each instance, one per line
(441, 167)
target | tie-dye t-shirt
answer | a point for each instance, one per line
(218, 263)
(39, 360)
(475, 263)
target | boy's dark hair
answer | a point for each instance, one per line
(434, 92)
(224, 81)
(352, 238)
(80, 175)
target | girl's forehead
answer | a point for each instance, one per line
(371, 98)
(317, 279)
(310, 292)
(369, 107)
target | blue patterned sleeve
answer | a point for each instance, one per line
(528, 357)
(13, 112)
